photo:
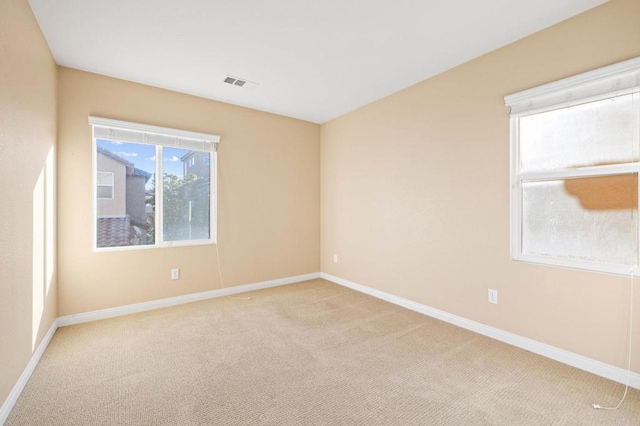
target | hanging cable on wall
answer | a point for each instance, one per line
(635, 149)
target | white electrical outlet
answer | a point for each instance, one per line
(175, 274)
(335, 258)
(493, 296)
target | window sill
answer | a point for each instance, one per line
(580, 265)
(155, 246)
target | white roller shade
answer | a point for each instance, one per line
(620, 78)
(124, 131)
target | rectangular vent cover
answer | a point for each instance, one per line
(240, 82)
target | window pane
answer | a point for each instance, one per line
(590, 134)
(104, 178)
(185, 195)
(127, 216)
(592, 219)
(105, 191)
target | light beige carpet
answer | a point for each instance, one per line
(312, 353)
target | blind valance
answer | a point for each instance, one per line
(124, 131)
(620, 78)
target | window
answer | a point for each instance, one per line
(145, 193)
(206, 161)
(575, 159)
(104, 185)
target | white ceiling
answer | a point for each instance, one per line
(314, 60)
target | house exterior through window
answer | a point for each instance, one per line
(153, 187)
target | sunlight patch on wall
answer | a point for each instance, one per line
(43, 229)
(38, 256)
(50, 218)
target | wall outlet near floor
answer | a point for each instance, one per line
(493, 296)
(175, 274)
(335, 258)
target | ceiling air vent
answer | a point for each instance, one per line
(240, 82)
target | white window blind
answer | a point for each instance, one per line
(620, 78)
(123, 131)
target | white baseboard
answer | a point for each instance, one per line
(8, 404)
(178, 300)
(587, 364)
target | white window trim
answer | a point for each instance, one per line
(112, 185)
(149, 130)
(620, 78)
(157, 136)
(614, 80)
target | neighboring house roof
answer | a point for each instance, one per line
(116, 157)
(132, 170)
(114, 231)
(117, 231)
(140, 172)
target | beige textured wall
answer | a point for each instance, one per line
(27, 214)
(415, 194)
(268, 201)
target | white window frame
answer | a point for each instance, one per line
(112, 185)
(104, 128)
(604, 83)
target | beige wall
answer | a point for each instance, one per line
(27, 212)
(415, 194)
(268, 201)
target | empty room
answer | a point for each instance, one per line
(319, 213)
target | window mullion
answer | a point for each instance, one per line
(613, 169)
(515, 199)
(516, 218)
(158, 212)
